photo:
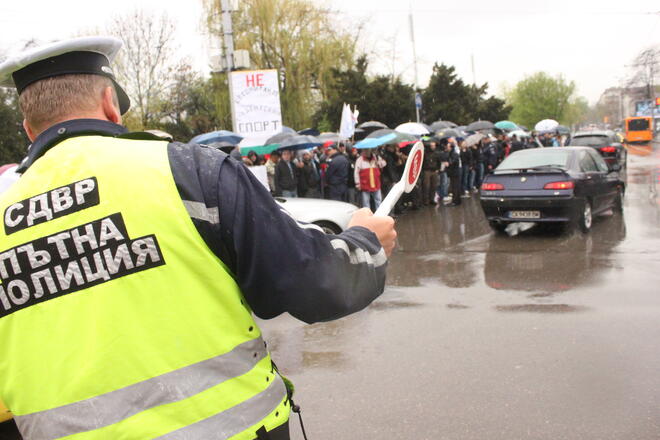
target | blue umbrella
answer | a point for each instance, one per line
(375, 141)
(310, 132)
(217, 136)
(299, 143)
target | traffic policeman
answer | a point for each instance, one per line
(130, 269)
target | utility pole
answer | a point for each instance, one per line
(416, 84)
(228, 6)
(474, 75)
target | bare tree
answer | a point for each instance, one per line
(145, 66)
(646, 68)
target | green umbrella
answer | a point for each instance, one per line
(507, 125)
(260, 149)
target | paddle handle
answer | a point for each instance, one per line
(392, 197)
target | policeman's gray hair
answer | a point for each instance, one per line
(52, 100)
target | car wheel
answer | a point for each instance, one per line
(328, 227)
(618, 200)
(586, 217)
(498, 227)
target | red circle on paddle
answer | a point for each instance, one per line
(415, 167)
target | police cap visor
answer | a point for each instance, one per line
(79, 62)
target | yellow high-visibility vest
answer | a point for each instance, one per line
(116, 319)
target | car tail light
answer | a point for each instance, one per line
(560, 185)
(608, 149)
(492, 186)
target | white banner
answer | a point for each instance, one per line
(255, 105)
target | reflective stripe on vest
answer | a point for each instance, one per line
(117, 405)
(116, 319)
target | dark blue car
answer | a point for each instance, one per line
(561, 185)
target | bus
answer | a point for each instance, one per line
(639, 130)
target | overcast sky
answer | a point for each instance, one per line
(588, 41)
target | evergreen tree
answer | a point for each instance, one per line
(447, 97)
(13, 140)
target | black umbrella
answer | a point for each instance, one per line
(300, 142)
(480, 125)
(310, 132)
(372, 125)
(448, 133)
(360, 134)
(440, 125)
(279, 137)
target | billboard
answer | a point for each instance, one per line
(645, 107)
(255, 105)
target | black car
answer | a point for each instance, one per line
(561, 184)
(607, 143)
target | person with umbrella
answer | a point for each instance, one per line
(467, 167)
(286, 175)
(430, 169)
(271, 164)
(479, 159)
(454, 171)
(367, 178)
(443, 178)
(491, 154)
(516, 145)
(309, 179)
(337, 174)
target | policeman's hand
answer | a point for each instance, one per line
(383, 227)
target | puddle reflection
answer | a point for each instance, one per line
(447, 246)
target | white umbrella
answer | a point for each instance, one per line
(546, 125)
(518, 133)
(474, 139)
(413, 128)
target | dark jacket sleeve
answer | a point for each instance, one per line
(281, 265)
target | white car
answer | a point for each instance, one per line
(330, 215)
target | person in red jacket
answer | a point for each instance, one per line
(367, 178)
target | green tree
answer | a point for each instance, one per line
(447, 97)
(578, 111)
(381, 98)
(541, 96)
(13, 140)
(299, 39)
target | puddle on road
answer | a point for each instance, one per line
(541, 308)
(396, 304)
(457, 306)
(324, 359)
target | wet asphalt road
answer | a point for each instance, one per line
(544, 335)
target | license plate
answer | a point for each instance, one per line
(525, 214)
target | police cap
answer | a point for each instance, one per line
(84, 55)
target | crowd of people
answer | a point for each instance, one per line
(452, 169)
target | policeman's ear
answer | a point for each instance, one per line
(110, 105)
(30, 133)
